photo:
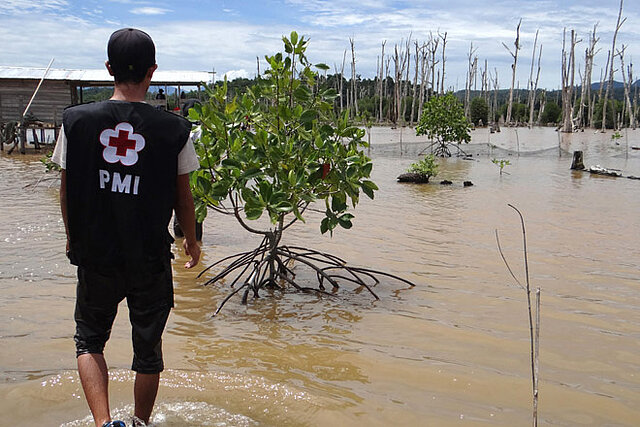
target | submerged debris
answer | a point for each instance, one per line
(599, 170)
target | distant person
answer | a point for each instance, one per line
(160, 94)
(125, 169)
(183, 95)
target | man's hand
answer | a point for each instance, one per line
(193, 250)
(187, 219)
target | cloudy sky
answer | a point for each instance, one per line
(225, 35)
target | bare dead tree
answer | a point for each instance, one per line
(484, 77)
(494, 104)
(382, 80)
(585, 97)
(397, 58)
(340, 82)
(627, 88)
(514, 54)
(354, 83)
(619, 23)
(415, 82)
(543, 102)
(407, 67)
(472, 68)
(386, 78)
(635, 98)
(533, 86)
(444, 46)
(568, 75)
(424, 64)
(433, 50)
(400, 60)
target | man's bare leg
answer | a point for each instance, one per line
(145, 391)
(95, 383)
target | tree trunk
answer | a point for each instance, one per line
(577, 163)
(415, 84)
(444, 45)
(627, 89)
(514, 54)
(382, 80)
(354, 83)
(568, 75)
(471, 70)
(423, 76)
(533, 86)
(611, 71)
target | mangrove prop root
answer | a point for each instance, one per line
(272, 267)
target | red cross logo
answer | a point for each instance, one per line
(121, 144)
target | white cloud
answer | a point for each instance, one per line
(17, 7)
(149, 11)
(234, 74)
(232, 46)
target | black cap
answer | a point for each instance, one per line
(131, 50)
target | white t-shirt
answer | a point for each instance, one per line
(187, 158)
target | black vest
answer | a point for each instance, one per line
(121, 169)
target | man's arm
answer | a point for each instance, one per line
(187, 219)
(63, 203)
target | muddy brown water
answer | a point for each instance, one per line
(454, 350)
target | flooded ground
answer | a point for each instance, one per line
(454, 350)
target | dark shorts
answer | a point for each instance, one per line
(149, 298)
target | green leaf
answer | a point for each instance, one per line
(284, 206)
(345, 221)
(338, 202)
(297, 213)
(253, 213)
(324, 225)
(265, 191)
(322, 66)
(251, 172)
(302, 93)
(368, 187)
(308, 116)
(231, 163)
(220, 189)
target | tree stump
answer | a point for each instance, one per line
(578, 159)
(413, 177)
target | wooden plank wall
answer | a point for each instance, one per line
(47, 106)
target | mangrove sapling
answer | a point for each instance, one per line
(501, 163)
(534, 331)
(275, 151)
(443, 121)
(616, 136)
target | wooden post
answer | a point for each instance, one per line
(23, 140)
(577, 163)
(36, 143)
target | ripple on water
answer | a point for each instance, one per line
(181, 413)
(191, 398)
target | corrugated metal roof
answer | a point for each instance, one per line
(102, 76)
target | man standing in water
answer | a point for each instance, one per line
(125, 169)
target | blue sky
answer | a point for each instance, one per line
(201, 35)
